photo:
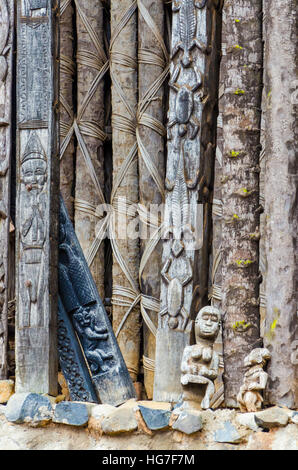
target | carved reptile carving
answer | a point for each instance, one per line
(187, 29)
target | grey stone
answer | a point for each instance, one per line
(248, 420)
(71, 413)
(121, 420)
(294, 417)
(272, 418)
(102, 411)
(155, 419)
(188, 422)
(28, 407)
(228, 434)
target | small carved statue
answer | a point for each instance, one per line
(255, 380)
(200, 363)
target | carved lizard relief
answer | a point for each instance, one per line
(187, 28)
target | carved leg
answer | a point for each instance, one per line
(209, 392)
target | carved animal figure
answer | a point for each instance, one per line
(184, 105)
(255, 380)
(200, 363)
(32, 5)
(90, 335)
(187, 28)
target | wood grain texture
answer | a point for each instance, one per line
(125, 192)
(189, 185)
(67, 84)
(242, 28)
(281, 327)
(90, 118)
(152, 63)
(37, 202)
(6, 54)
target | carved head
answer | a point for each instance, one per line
(34, 164)
(207, 323)
(83, 317)
(257, 356)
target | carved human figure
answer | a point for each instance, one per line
(91, 335)
(33, 227)
(200, 363)
(255, 380)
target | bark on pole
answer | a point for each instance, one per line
(242, 27)
(125, 192)
(91, 66)
(281, 331)
(153, 69)
(189, 180)
(67, 72)
(6, 52)
(37, 203)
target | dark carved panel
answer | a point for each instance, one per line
(72, 361)
(88, 317)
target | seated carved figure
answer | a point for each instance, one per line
(255, 380)
(200, 363)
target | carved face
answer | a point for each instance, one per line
(207, 323)
(34, 173)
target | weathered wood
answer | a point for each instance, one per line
(189, 180)
(6, 54)
(72, 361)
(82, 303)
(281, 328)
(124, 198)
(242, 28)
(67, 76)
(152, 69)
(37, 197)
(91, 66)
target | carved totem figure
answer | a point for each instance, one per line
(6, 41)
(82, 313)
(189, 180)
(37, 201)
(33, 229)
(255, 380)
(200, 362)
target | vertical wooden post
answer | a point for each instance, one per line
(153, 70)
(37, 197)
(92, 64)
(242, 28)
(67, 73)
(6, 51)
(281, 328)
(125, 192)
(191, 150)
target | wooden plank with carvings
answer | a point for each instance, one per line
(6, 42)
(37, 197)
(82, 303)
(191, 151)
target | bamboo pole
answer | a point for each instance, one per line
(281, 329)
(242, 27)
(91, 66)
(125, 192)
(67, 72)
(153, 69)
(6, 53)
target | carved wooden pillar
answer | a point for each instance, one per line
(81, 311)
(191, 138)
(6, 39)
(37, 197)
